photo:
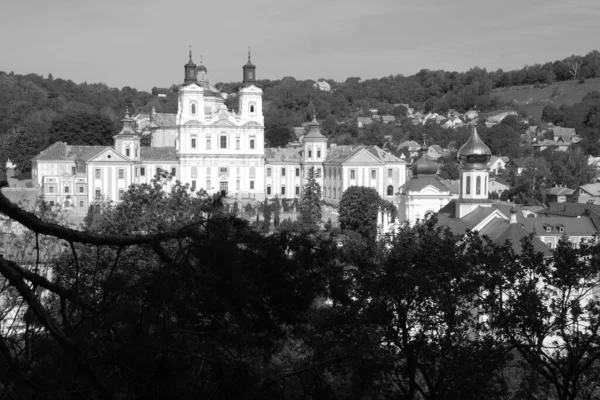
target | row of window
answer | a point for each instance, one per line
(222, 143)
(138, 172)
(222, 171)
(477, 185)
(66, 189)
(318, 153)
(283, 190)
(223, 185)
(193, 107)
(373, 173)
(98, 193)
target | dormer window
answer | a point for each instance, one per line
(548, 229)
(561, 228)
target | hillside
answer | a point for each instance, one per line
(533, 98)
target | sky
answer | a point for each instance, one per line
(142, 44)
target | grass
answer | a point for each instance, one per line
(532, 99)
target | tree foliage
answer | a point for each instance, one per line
(358, 211)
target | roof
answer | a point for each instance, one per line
(315, 131)
(158, 153)
(501, 230)
(591, 188)
(388, 118)
(559, 191)
(60, 151)
(286, 154)
(565, 133)
(419, 183)
(518, 162)
(340, 154)
(437, 148)
(411, 144)
(581, 226)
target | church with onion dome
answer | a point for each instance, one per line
(210, 147)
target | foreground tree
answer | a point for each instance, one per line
(358, 211)
(549, 310)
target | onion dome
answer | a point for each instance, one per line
(424, 166)
(201, 66)
(475, 153)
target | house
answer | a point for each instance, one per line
(323, 86)
(388, 119)
(452, 122)
(558, 144)
(559, 194)
(434, 152)
(471, 114)
(498, 185)
(552, 229)
(567, 135)
(363, 122)
(412, 147)
(497, 164)
(376, 117)
(589, 194)
(517, 165)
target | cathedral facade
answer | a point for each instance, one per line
(210, 147)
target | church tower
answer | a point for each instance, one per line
(191, 96)
(314, 149)
(127, 142)
(473, 174)
(250, 95)
(202, 74)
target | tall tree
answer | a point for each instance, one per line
(309, 209)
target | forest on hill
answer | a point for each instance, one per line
(36, 111)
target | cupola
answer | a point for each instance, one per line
(249, 72)
(424, 166)
(475, 153)
(190, 71)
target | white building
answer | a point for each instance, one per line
(209, 147)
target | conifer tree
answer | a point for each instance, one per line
(309, 211)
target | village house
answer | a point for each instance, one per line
(589, 194)
(497, 164)
(559, 194)
(323, 86)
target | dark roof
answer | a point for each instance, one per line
(158, 154)
(340, 154)
(419, 183)
(60, 151)
(286, 154)
(314, 132)
(515, 233)
(581, 226)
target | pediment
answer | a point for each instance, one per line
(194, 122)
(109, 155)
(493, 215)
(363, 157)
(430, 189)
(251, 124)
(191, 87)
(222, 123)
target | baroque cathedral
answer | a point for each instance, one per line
(210, 147)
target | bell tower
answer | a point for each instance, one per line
(474, 173)
(190, 71)
(249, 77)
(127, 142)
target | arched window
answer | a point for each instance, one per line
(193, 142)
(193, 109)
(208, 144)
(237, 144)
(478, 185)
(252, 109)
(208, 184)
(390, 190)
(334, 193)
(128, 152)
(468, 185)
